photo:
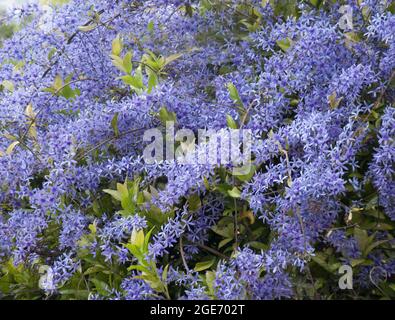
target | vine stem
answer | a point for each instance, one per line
(184, 261)
(69, 40)
(211, 250)
(33, 120)
(309, 274)
(245, 116)
(108, 140)
(236, 225)
(383, 91)
(302, 227)
(381, 95)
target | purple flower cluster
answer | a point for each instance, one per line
(318, 99)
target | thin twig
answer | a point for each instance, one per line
(49, 98)
(211, 250)
(69, 40)
(115, 137)
(236, 226)
(183, 256)
(383, 91)
(244, 119)
(309, 274)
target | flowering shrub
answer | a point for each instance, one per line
(84, 216)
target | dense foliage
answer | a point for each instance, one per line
(83, 216)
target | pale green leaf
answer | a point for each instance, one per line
(204, 265)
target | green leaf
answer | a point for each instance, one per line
(127, 62)
(284, 8)
(67, 92)
(92, 228)
(11, 147)
(224, 242)
(139, 78)
(154, 282)
(118, 63)
(64, 89)
(284, 44)
(51, 53)
(357, 262)
(94, 269)
(210, 278)
(10, 137)
(204, 265)
(132, 81)
(224, 231)
(8, 85)
(172, 58)
(258, 245)
(374, 245)
(333, 101)
(353, 36)
(114, 193)
(244, 173)
(320, 259)
(316, 3)
(126, 199)
(165, 115)
(117, 46)
(58, 83)
(87, 28)
(234, 193)
(234, 94)
(101, 287)
(152, 81)
(362, 238)
(164, 274)
(137, 238)
(147, 238)
(194, 202)
(49, 89)
(134, 250)
(247, 214)
(75, 293)
(231, 122)
(150, 26)
(139, 268)
(114, 124)
(189, 10)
